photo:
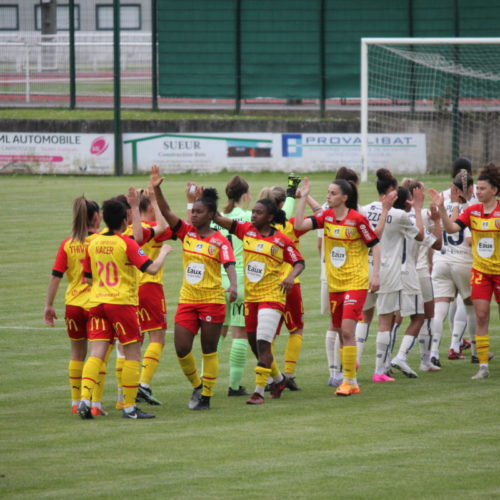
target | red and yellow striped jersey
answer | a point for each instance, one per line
(294, 234)
(263, 259)
(485, 229)
(346, 244)
(69, 259)
(201, 261)
(112, 260)
(151, 245)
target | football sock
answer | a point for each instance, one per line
(99, 386)
(130, 382)
(459, 326)
(440, 312)
(482, 346)
(275, 371)
(382, 347)
(292, 353)
(237, 360)
(150, 362)
(407, 343)
(188, 366)
(452, 310)
(424, 341)
(393, 335)
(337, 359)
(75, 369)
(362, 330)
(330, 340)
(90, 375)
(210, 369)
(261, 376)
(118, 373)
(349, 363)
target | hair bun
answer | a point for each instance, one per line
(210, 193)
(384, 174)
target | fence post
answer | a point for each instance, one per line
(237, 89)
(72, 59)
(154, 57)
(322, 50)
(116, 89)
(27, 73)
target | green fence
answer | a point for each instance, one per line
(294, 49)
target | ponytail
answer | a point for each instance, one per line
(350, 190)
(83, 213)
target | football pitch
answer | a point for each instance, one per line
(435, 437)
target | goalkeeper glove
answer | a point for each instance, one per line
(293, 183)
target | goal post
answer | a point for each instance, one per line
(442, 93)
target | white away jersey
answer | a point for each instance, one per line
(397, 226)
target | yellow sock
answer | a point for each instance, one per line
(210, 370)
(292, 352)
(90, 375)
(483, 346)
(99, 386)
(150, 362)
(130, 382)
(75, 369)
(261, 376)
(349, 361)
(188, 366)
(118, 372)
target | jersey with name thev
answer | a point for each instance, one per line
(485, 229)
(113, 259)
(69, 259)
(201, 260)
(151, 245)
(346, 244)
(263, 258)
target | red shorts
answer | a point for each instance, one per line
(484, 286)
(347, 305)
(152, 308)
(76, 322)
(252, 310)
(190, 315)
(107, 321)
(294, 310)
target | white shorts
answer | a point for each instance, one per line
(370, 302)
(426, 287)
(448, 279)
(411, 304)
(324, 298)
(388, 302)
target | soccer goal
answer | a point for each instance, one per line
(433, 99)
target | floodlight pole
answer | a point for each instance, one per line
(117, 90)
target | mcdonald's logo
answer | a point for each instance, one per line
(119, 329)
(144, 315)
(97, 324)
(71, 325)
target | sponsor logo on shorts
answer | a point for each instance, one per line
(141, 252)
(208, 318)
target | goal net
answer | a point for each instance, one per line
(447, 89)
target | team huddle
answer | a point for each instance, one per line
(241, 269)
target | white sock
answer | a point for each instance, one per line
(382, 346)
(145, 385)
(278, 377)
(362, 330)
(440, 312)
(459, 326)
(424, 341)
(451, 313)
(330, 340)
(406, 346)
(260, 390)
(96, 404)
(393, 335)
(129, 409)
(337, 360)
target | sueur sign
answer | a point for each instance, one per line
(208, 152)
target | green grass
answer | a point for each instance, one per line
(436, 437)
(128, 114)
